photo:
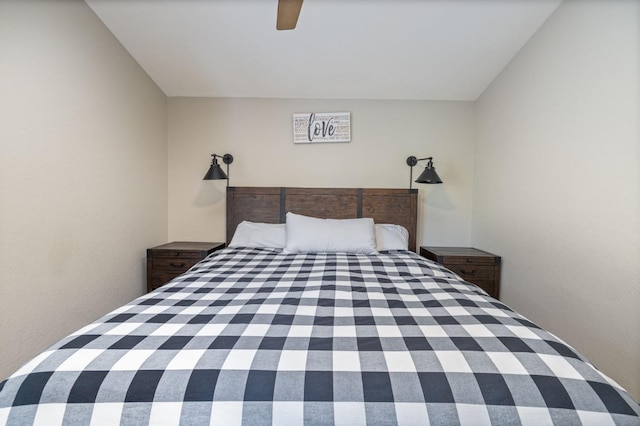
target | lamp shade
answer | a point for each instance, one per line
(429, 175)
(215, 172)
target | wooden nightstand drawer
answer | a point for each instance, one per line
(173, 264)
(473, 260)
(475, 266)
(158, 279)
(473, 271)
(488, 286)
(176, 254)
(167, 261)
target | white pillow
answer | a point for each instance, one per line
(310, 234)
(259, 235)
(391, 237)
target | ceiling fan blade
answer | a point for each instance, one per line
(288, 12)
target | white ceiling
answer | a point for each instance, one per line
(344, 49)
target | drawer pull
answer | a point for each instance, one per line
(473, 272)
(177, 265)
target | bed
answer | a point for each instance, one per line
(287, 335)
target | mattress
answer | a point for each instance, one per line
(255, 336)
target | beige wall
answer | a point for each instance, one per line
(557, 181)
(83, 174)
(259, 134)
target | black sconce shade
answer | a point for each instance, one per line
(429, 174)
(215, 171)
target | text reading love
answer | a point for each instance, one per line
(321, 128)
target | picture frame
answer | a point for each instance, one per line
(321, 127)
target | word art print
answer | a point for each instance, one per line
(315, 127)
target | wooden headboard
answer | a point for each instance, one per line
(271, 204)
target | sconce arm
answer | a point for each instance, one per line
(226, 158)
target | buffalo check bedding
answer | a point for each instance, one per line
(255, 336)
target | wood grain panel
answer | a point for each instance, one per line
(392, 206)
(253, 204)
(339, 203)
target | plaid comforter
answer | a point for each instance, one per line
(253, 336)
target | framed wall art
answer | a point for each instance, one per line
(319, 127)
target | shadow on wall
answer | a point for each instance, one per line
(210, 192)
(438, 197)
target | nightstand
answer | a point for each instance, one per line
(167, 261)
(475, 266)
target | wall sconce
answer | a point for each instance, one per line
(215, 171)
(428, 176)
